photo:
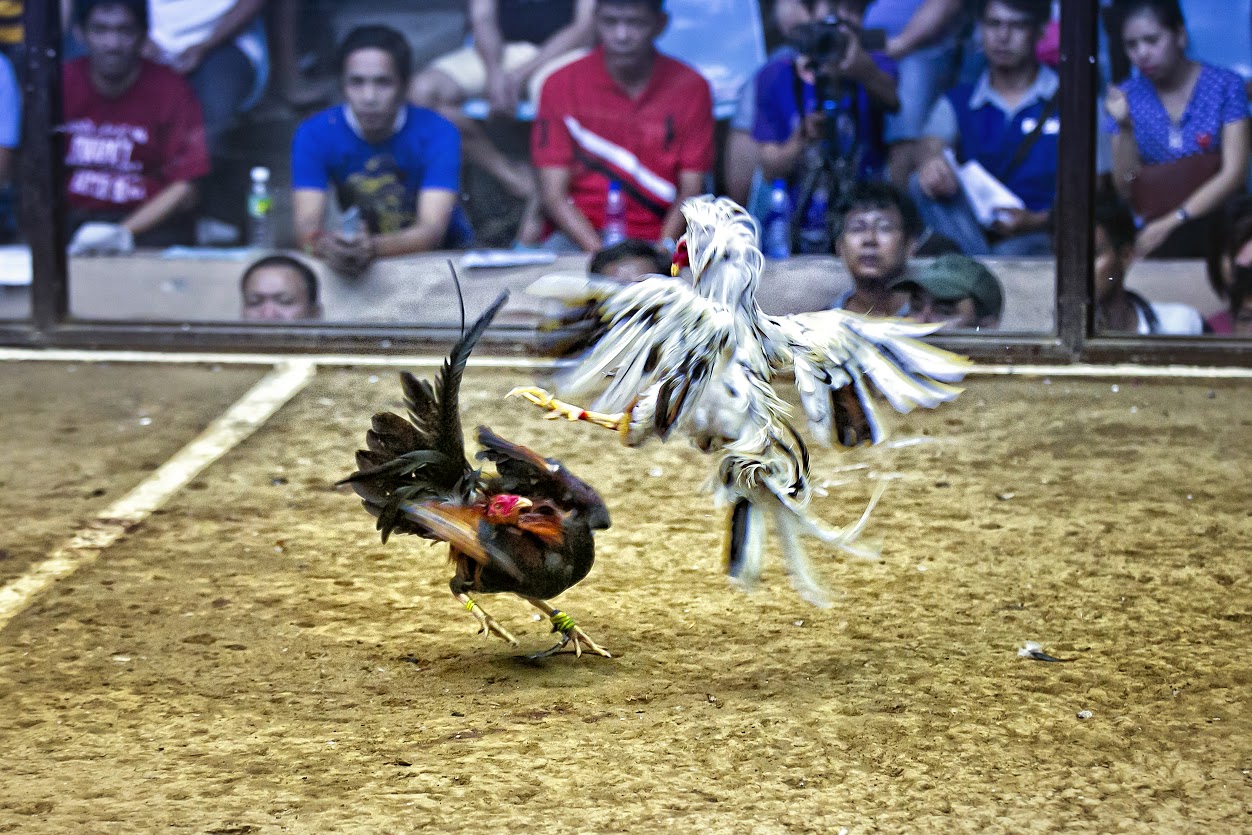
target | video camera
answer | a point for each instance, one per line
(825, 42)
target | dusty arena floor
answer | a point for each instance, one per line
(250, 659)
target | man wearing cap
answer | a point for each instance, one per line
(955, 289)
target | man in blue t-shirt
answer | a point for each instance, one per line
(797, 135)
(396, 164)
(1006, 121)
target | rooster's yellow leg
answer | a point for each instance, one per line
(489, 624)
(564, 624)
(619, 422)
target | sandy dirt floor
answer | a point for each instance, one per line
(253, 660)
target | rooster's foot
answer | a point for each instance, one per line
(570, 631)
(560, 409)
(489, 624)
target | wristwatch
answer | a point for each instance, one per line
(1182, 214)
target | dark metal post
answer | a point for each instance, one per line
(40, 176)
(1076, 173)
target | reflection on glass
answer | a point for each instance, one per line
(1179, 139)
(14, 256)
(369, 215)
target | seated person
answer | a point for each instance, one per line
(797, 138)
(955, 289)
(1180, 113)
(398, 164)
(629, 260)
(741, 157)
(517, 44)
(876, 228)
(625, 112)
(1006, 122)
(1119, 310)
(10, 136)
(1230, 269)
(219, 47)
(134, 138)
(279, 288)
(922, 40)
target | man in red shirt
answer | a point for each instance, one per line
(623, 113)
(135, 141)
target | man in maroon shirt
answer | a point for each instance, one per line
(626, 113)
(135, 141)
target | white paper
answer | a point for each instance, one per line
(505, 258)
(984, 192)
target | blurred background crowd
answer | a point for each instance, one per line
(877, 131)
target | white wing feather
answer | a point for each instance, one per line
(831, 348)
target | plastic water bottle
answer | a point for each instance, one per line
(776, 232)
(260, 210)
(614, 216)
(814, 233)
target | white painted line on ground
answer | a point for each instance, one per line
(223, 434)
(542, 365)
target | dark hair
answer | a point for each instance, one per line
(1039, 11)
(657, 6)
(302, 269)
(377, 36)
(1114, 217)
(876, 194)
(629, 248)
(138, 8)
(1168, 13)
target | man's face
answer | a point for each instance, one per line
(873, 245)
(1110, 266)
(373, 90)
(276, 294)
(957, 313)
(1008, 36)
(626, 31)
(114, 41)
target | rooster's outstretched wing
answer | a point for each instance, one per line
(833, 353)
(660, 332)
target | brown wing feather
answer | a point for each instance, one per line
(459, 527)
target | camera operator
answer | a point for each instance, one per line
(834, 74)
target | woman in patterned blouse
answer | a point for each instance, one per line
(1173, 108)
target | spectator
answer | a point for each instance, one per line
(1006, 122)
(10, 136)
(795, 141)
(219, 47)
(1179, 130)
(877, 228)
(624, 112)
(741, 157)
(279, 288)
(135, 141)
(517, 44)
(957, 290)
(922, 40)
(1230, 269)
(398, 164)
(1119, 310)
(629, 260)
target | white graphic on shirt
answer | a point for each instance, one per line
(102, 159)
(623, 160)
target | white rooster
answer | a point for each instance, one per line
(699, 359)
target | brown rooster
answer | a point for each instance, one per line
(528, 530)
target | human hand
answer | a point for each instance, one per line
(856, 61)
(1117, 106)
(102, 239)
(503, 94)
(937, 178)
(347, 255)
(1010, 222)
(1153, 235)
